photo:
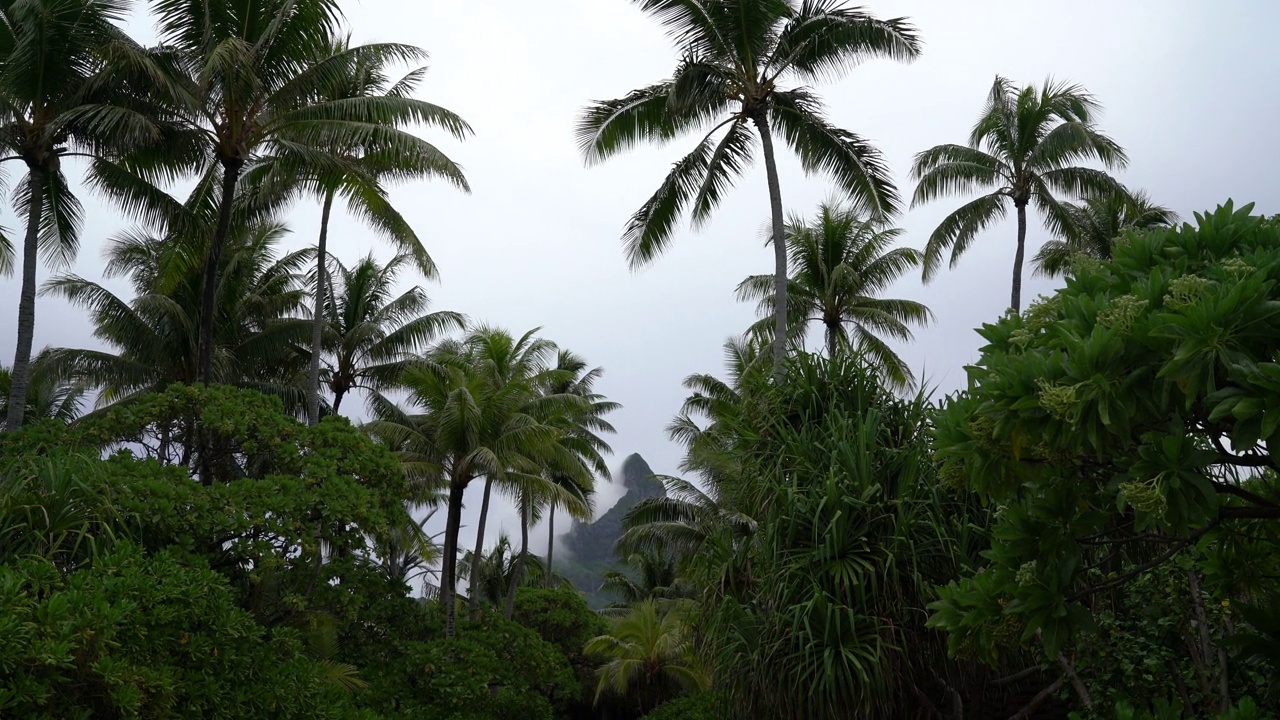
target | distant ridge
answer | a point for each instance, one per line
(590, 545)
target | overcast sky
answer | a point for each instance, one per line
(1189, 89)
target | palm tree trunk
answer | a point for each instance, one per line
(833, 342)
(779, 247)
(208, 293)
(317, 320)
(337, 400)
(518, 576)
(1015, 301)
(449, 564)
(475, 558)
(21, 373)
(551, 543)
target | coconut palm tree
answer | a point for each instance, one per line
(364, 75)
(60, 101)
(648, 657)
(153, 337)
(404, 552)
(747, 63)
(1096, 224)
(573, 378)
(49, 396)
(371, 333)
(654, 576)
(480, 414)
(1023, 149)
(242, 78)
(840, 262)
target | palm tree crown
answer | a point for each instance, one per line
(840, 262)
(736, 58)
(649, 657)
(371, 333)
(1024, 149)
(49, 395)
(241, 78)
(361, 75)
(1096, 224)
(153, 337)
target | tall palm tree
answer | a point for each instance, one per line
(1096, 224)
(153, 337)
(60, 101)
(1024, 149)
(735, 56)
(649, 658)
(840, 262)
(370, 332)
(365, 75)
(242, 78)
(49, 396)
(480, 414)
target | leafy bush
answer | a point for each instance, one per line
(701, 706)
(492, 669)
(561, 617)
(158, 636)
(1125, 423)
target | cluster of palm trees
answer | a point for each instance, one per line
(254, 104)
(517, 414)
(743, 76)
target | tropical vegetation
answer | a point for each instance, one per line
(733, 58)
(1022, 150)
(272, 484)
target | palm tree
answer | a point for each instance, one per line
(242, 77)
(1023, 148)
(1096, 224)
(656, 577)
(649, 658)
(61, 101)
(365, 75)
(404, 552)
(371, 333)
(735, 56)
(839, 264)
(481, 414)
(49, 396)
(573, 378)
(153, 337)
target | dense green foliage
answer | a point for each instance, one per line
(1125, 423)
(1090, 528)
(131, 588)
(819, 545)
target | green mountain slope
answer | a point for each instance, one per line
(589, 546)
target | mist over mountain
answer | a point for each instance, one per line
(589, 546)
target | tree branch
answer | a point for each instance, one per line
(1021, 674)
(1036, 701)
(1162, 558)
(1236, 490)
(1076, 683)
(1249, 460)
